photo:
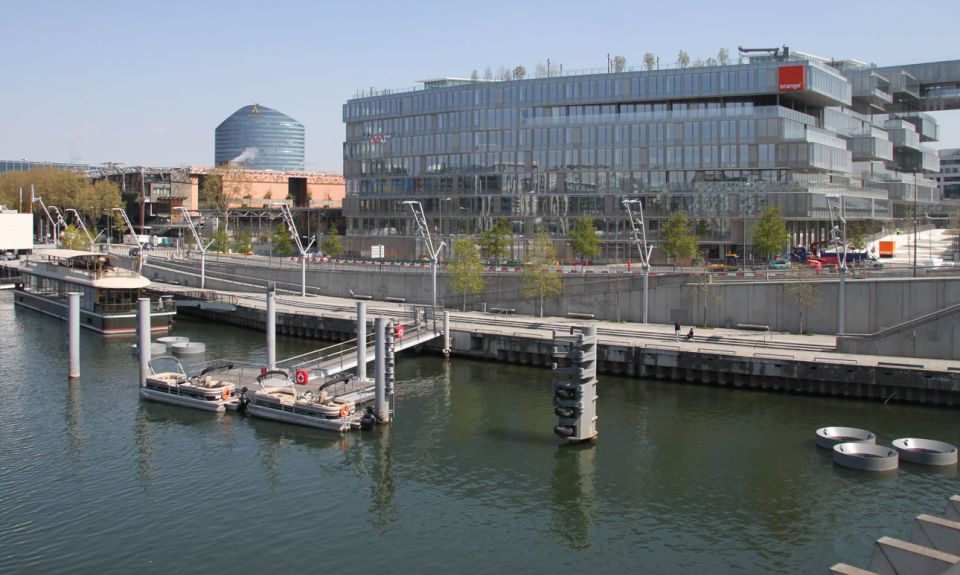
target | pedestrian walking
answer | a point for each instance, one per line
(676, 329)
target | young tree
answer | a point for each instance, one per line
(683, 59)
(503, 74)
(223, 186)
(474, 75)
(583, 239)
(281, 240)
(540, 278)
(73, 239)
(857, 236)
(244, 245)
(619, 63)
(723, 57)
(802, 292)
(710, 62)
(676, 237)
(540, 70)
(487, 74)
(649, 61)
(495, 242)
(770, 236)
(698, 63)
(331, 246)
(119, 225)
(466, 269)
(519, 72)
(220, 237)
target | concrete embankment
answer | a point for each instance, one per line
(726, 357)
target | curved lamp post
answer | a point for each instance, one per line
(421, 220)
(640, 239)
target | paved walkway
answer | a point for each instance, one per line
(717, 341)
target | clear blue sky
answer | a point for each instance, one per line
(148, 82)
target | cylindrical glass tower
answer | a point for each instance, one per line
(260, 138)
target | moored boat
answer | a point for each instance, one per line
(206, 391)
(279, 399)
(108, 293)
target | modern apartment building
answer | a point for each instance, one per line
(260, 138)
(949, 177)
(722, 143)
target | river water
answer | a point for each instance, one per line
(468, 479)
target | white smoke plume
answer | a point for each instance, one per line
(245, 156)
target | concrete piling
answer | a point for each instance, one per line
(143, 338)
(380, 405)
(446, 333)
(73, 330)
(271, 326)
(362, 340)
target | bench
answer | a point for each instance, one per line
(753, 326)
(395, 299)
(580, 315)
(360, 296)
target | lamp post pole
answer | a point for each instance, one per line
(640, 239)
(839, 233)
(421, 221)
(914, 223)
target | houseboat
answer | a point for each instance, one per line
(108, 292)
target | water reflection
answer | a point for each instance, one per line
(72, 410)
(383, 507)
(573, 494)
(275, 440)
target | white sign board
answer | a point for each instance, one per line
(16, 232)
(376, 252)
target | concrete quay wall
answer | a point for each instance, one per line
(724, 367)
(783, 374)
(871, 304)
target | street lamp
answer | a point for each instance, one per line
(421, 220)
(56, 225)
(199, 241)
(915, 223)
(640, 239)
(292, 228)
(126, 220)
(838, 233)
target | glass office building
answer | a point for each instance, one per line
(721, 143)
(261, 139)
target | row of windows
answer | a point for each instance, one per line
(769, 130)
(379, 131)
(785, 155)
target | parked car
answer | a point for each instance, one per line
(780, 264)
(134, 252)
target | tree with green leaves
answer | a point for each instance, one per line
(583, 239)
(649, 61)
(683, 59)
(519, 72)
(119, 225)
(220, 237)
(540, 277)
(857, 236)
(770, 236)
(619, 63)
(244, 245)
(281, 240)
(73, 239)
(495, 242)
(466, 268)
(331, 246)
(676, 237)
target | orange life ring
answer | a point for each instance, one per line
(345, 410)
(225, 394)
